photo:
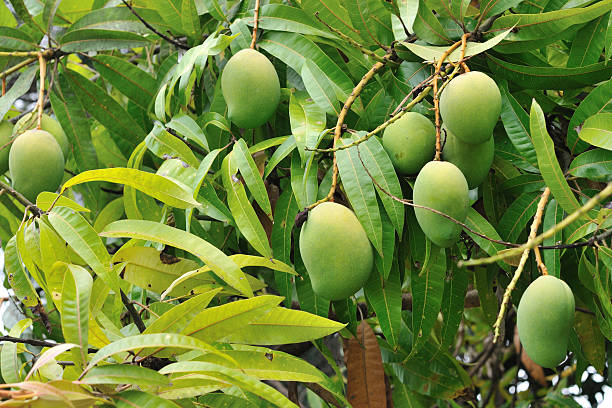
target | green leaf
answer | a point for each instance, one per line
(124, 374)
(594, 165)
(361, 194)
(279, 154)
(16, 40)
(165, 145)
(547, 161)
(588, 43)
(284, 326)
(10, 362)
(127, 78)
(453, 302)
(188, 127)
(319, 87)
(427, 26)
(408, 10)
(131, 399)
(284, 218)
(552, 257)
(597, 130)
(81, 236)
(479, 224)
(46, 198)
(156, 186)
(427, 291)
(242, 210)
(598, 100)
(516, 124)
(116, 18)
(76, 294)
(372, 21)
(517, 216)
(307, 121)
(608, 40)
(17, 276)
(385, 296)
(279, 17)
(21, 85)
(248, 170)
(220, 264)
(592, 341)
(85, 40)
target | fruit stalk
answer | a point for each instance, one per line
(531, 243)
(537, 219)
(41, 93)
(255, 24)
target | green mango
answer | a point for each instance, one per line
(36, 163)
(474, 160)
(441, 186)
(470, 106)
(6, 130)
(544, 317)
(336, 251)
(251, 88)
(30, 121)
(410, 142)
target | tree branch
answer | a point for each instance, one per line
(37, 343)
(31, 207)
(133, 313)
(150, 27)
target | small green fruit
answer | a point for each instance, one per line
(251, 88)
(474, 160)
(30, 121)
(544, 317)
(6, 130)
(36, 163)
(441, 186)
(410, 142)
(470, 106)
(336, 251)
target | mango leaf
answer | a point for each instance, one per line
(156, 186)
(248, 169)
(17, 277)
(453, 302)
(598, 100)
(517, 216)
(115, 18)
(284, 326)
(242, 210)
(408, 12)
(46, 198)
(547, 161)
(130, 399)
(319, 87)
(552, 257)
(591, 339)
(124, 374)
(164, 145)
(427, 26)
(307, 121)
(220, 264)
(385, 296)
(10, 362)
(21, 85)
(597, 130)
(279, 154)
(16, 40)
(588, 43)
(516, 124)
(188, 127)
(49, 356)
(279, 17)
(372, 21)
(76, 294)
(594, 165)
(360, 191)
(427, 291)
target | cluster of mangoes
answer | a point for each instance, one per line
(34, 157)
(470, 106)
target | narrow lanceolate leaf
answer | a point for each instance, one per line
(10, 362)
(547, 161)
(248, 169)
(159, 187)
(23, 83)
(453, 302)
(284, 326)
(165, 145)
(81, 236)
(427, 291)
(595, 164)
(220, 264)
(518, 215)
(552, 257)
(479, 224)
(85, 40)
(242, 210)
(279, 17)
(131, 399)
(124, 374)
(320, 88)
(127, 78)
(516, 124)
(588, 43)
(16, 275)
(360, 191)
(307, 121)
(376, 160)
(49, 356)
(76, 294)
(16, 40)
(597, 130)
(598, 100)
(188, 128)
(365, 372)
(284, 218)
(385, 296)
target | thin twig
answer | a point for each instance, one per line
(37, 212)
(150, 27)
(537, 219)
(36, 343)
(538, 257)
(41, 92)
(255, 24)
(324, 394)
(133, 313)
(17, 67)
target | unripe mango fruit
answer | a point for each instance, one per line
(441, 186)
(544, 317)
(336, 251)
(474, 160)
(410, 142)
(30, 121)
(470, 106)
(36, 163)
(6, 130)
(251, 88)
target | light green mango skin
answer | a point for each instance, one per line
(441, 186)
(336, 251)
(250, 88)
(36, 163)
(48, 124)
(410, 142)
(6, 130)
(470, 106)
(544, 317)
(474, 160)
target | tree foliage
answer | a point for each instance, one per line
(166, 270)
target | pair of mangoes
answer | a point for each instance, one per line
(251, 88)
(36, 157)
